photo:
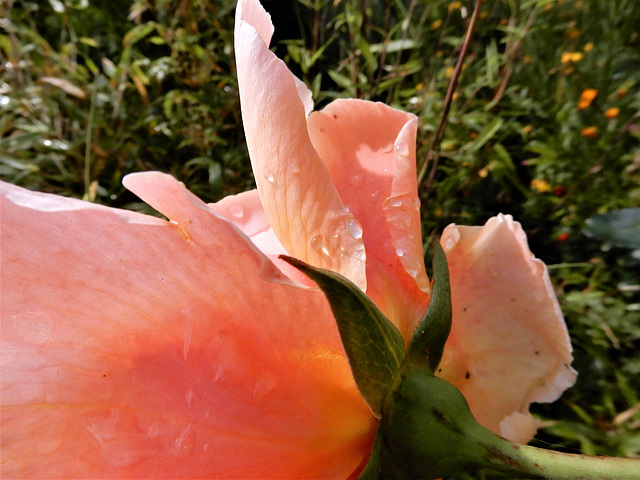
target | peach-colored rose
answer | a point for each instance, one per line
(134, 347)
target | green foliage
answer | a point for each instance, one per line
(91, 91)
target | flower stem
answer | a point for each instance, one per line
(531, 462)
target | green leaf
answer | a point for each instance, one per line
(619, 227)
(429, 338)
(485, 135)
(373, 345)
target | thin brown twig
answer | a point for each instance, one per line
(433, 153)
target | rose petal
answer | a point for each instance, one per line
(509, 345)
(245, 211)
(369, 149)
(133, 347)
(300, 201)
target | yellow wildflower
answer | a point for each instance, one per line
(540, 185)
(436, 25)
(589, 132)
(588, 47)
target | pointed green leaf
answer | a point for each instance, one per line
(429, 338)
(373, 345)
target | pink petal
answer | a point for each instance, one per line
(133, 347)
(299, 198)
(245, 211)
(369, 149)
(509, 345)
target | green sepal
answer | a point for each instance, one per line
(373, 468)
(374, 346)
(427, 343)
(427, 430)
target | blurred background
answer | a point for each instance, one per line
(544, 125)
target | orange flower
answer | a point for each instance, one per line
(612, 112)
(589, 132)
(136, 347)
(587, 96)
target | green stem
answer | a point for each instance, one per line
(427, 431)
(531, 462)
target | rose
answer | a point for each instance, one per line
(136, 347)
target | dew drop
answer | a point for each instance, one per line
(345, 209)
(218, 373)
(359, 254)
(452, 239)
(266, 384)
(269, 177)
(402, 149)
(413, 272)
(236, 211)
(395, 202)
(356, 180)
(416, 202)
(355, 230)
(189, 396)
(179, 443)
(399, 252)
(294, 168)
(317, 242)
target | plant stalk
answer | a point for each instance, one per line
(532, 462)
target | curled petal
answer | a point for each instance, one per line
(299, 198)
(369, 149)
(509, 345)
(134, 347)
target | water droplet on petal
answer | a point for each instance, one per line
(402, 149)
(345, 209)
(359, 254)
(179, 443)
(355, 229)
(269, 177)
(416, 202)
(218, 373)
(266, 384)
(294, 168)
(413, 272)
(317, 242)
(451, 240)
(399, 252)
(236, 211)
(395, 202)
(189, 396)
(356, 180)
